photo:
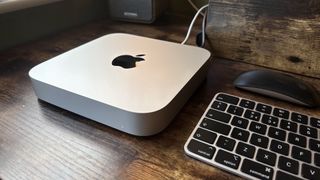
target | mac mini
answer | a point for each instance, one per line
(131, 83)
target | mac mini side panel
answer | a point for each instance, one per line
(142, 100)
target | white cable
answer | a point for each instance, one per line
(195, 7)
(204, 29)
(192, 23)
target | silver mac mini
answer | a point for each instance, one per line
(131, 83)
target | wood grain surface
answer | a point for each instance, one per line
(41, 141)
(281, 34)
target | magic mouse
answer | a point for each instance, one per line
(280, 86)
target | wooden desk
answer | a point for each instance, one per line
(41, 141)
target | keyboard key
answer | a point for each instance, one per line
(235, 110)
(264, 108)
(277, 133)
(266, 157)
(240, 134)
(279, 147)
(284, 176)
(297, 140)
(301, 154)
(217, 115)
(258, 140)
(216, 126)
(228, 99)
(314, 145)
(245, 150)
(300, 118)
(281, 113)
(205, 135)
(219, 105)
(257, 170)
(258, 128)
(201, 149)
(288, 165)
(247, 104)
(253, 115)
(315, 122)
(228, 159)
(309, 131)
(226, 143)
(317, 159)
(270, 120)
(290, 126)
(310, 172)
(239, 122)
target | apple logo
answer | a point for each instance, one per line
(127, 61)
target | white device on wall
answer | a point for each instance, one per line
(131, 83)
(144, 11)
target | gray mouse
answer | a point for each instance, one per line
(280, 86)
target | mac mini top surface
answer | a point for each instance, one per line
(131, 83)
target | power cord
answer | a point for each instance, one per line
(203, 25)
(195, 7)
(203, 34)
(200, 40)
